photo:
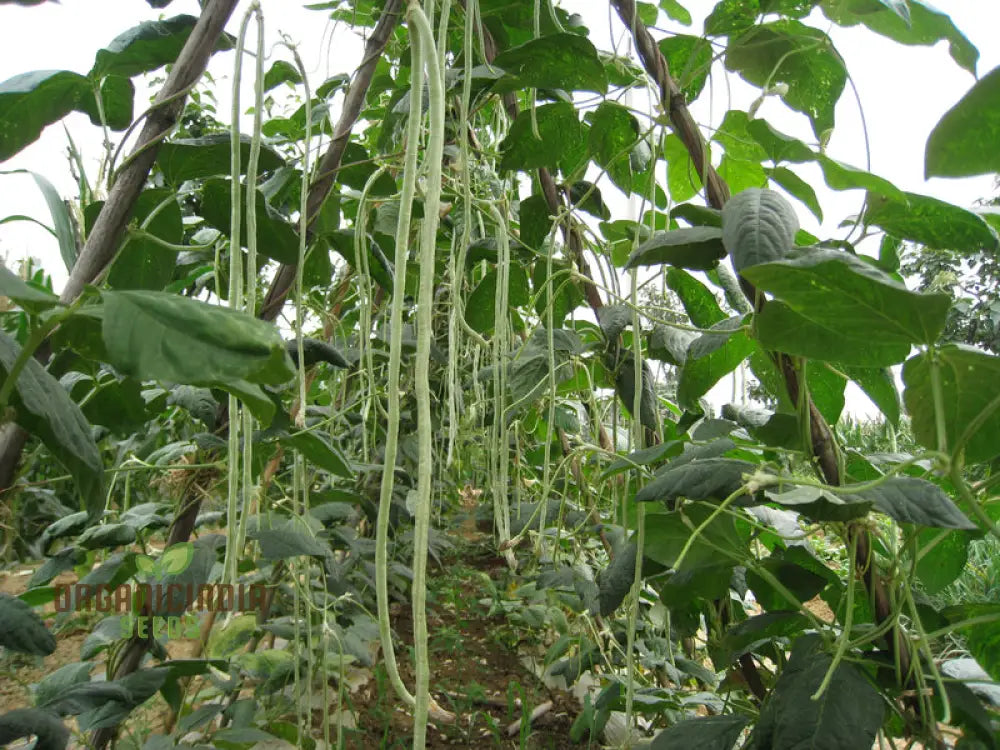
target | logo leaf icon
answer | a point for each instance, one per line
(177, 558)
(145, 564)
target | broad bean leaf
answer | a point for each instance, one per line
(848, 714)
(196, 158)
(613, 133)
(931, 222)
(668, 533)
(554, 61)
(962, 143)
(744, 636)
(697, 248)
(944, 562)
(968, 380)
(838, 308)
(803, 57)
(44, 409)
(31, 101)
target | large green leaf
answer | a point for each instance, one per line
(613, 133)
(699, 303)
(555, 61)
(931, 222)
(912, 500)
(963, 143)
(44, 409)
(702, 479)
(745, 636)
(879, 385)
(276, 238)
(925, 26)
(160, 336)
(839, 308)
(317, 449)
(117, 102)
(148, 46)
(45, 726)
(689, 59)
(710, 357)
(22, 630)
(31, 101)
(796, 187)
(562, 138)
(698, 248)
(968, 382)
(758, 226)
(667, 534)
(480, 310)
(945, 561)
(195, 158)
(848, 714)
(790, 52)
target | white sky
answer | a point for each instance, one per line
(904, 91)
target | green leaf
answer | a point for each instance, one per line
(689, 59)
(613, 133)
(698, 248)
(742, 175)
(912, 500)
(848, 714)
(565, 297)
(62, 221)
(743, 637)
(820, 505)
(701, 479)
(880, 386)
(944, 562)
(65, 676)
(318, 450)
(710, 357)
(968, 381)
(615, 581)
(107, 536)
(667, 534)
(562, 136)
(196, 158)
(160, 336)
(669, 344)
(839, 308)
(676, 11)
(555, 61)
(962, 144)
(797, 188)
(699, 303)
(45, 410)
(925, 26)
(28, 297)
(289, 541)
(31, 101)
(49, 731)
(803, 57)
(143, 263)
(117, 101)
(281, 71)
(625, 388)
(682, 177)
(480, 310)
(799, 573)
(225, 642)
(758, 226)
(931, 222)
(148, 46)
(535, 221)
(704, 733)
(276, 238)
(730, 17)
(22, 630)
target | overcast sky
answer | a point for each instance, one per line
(903, 90)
